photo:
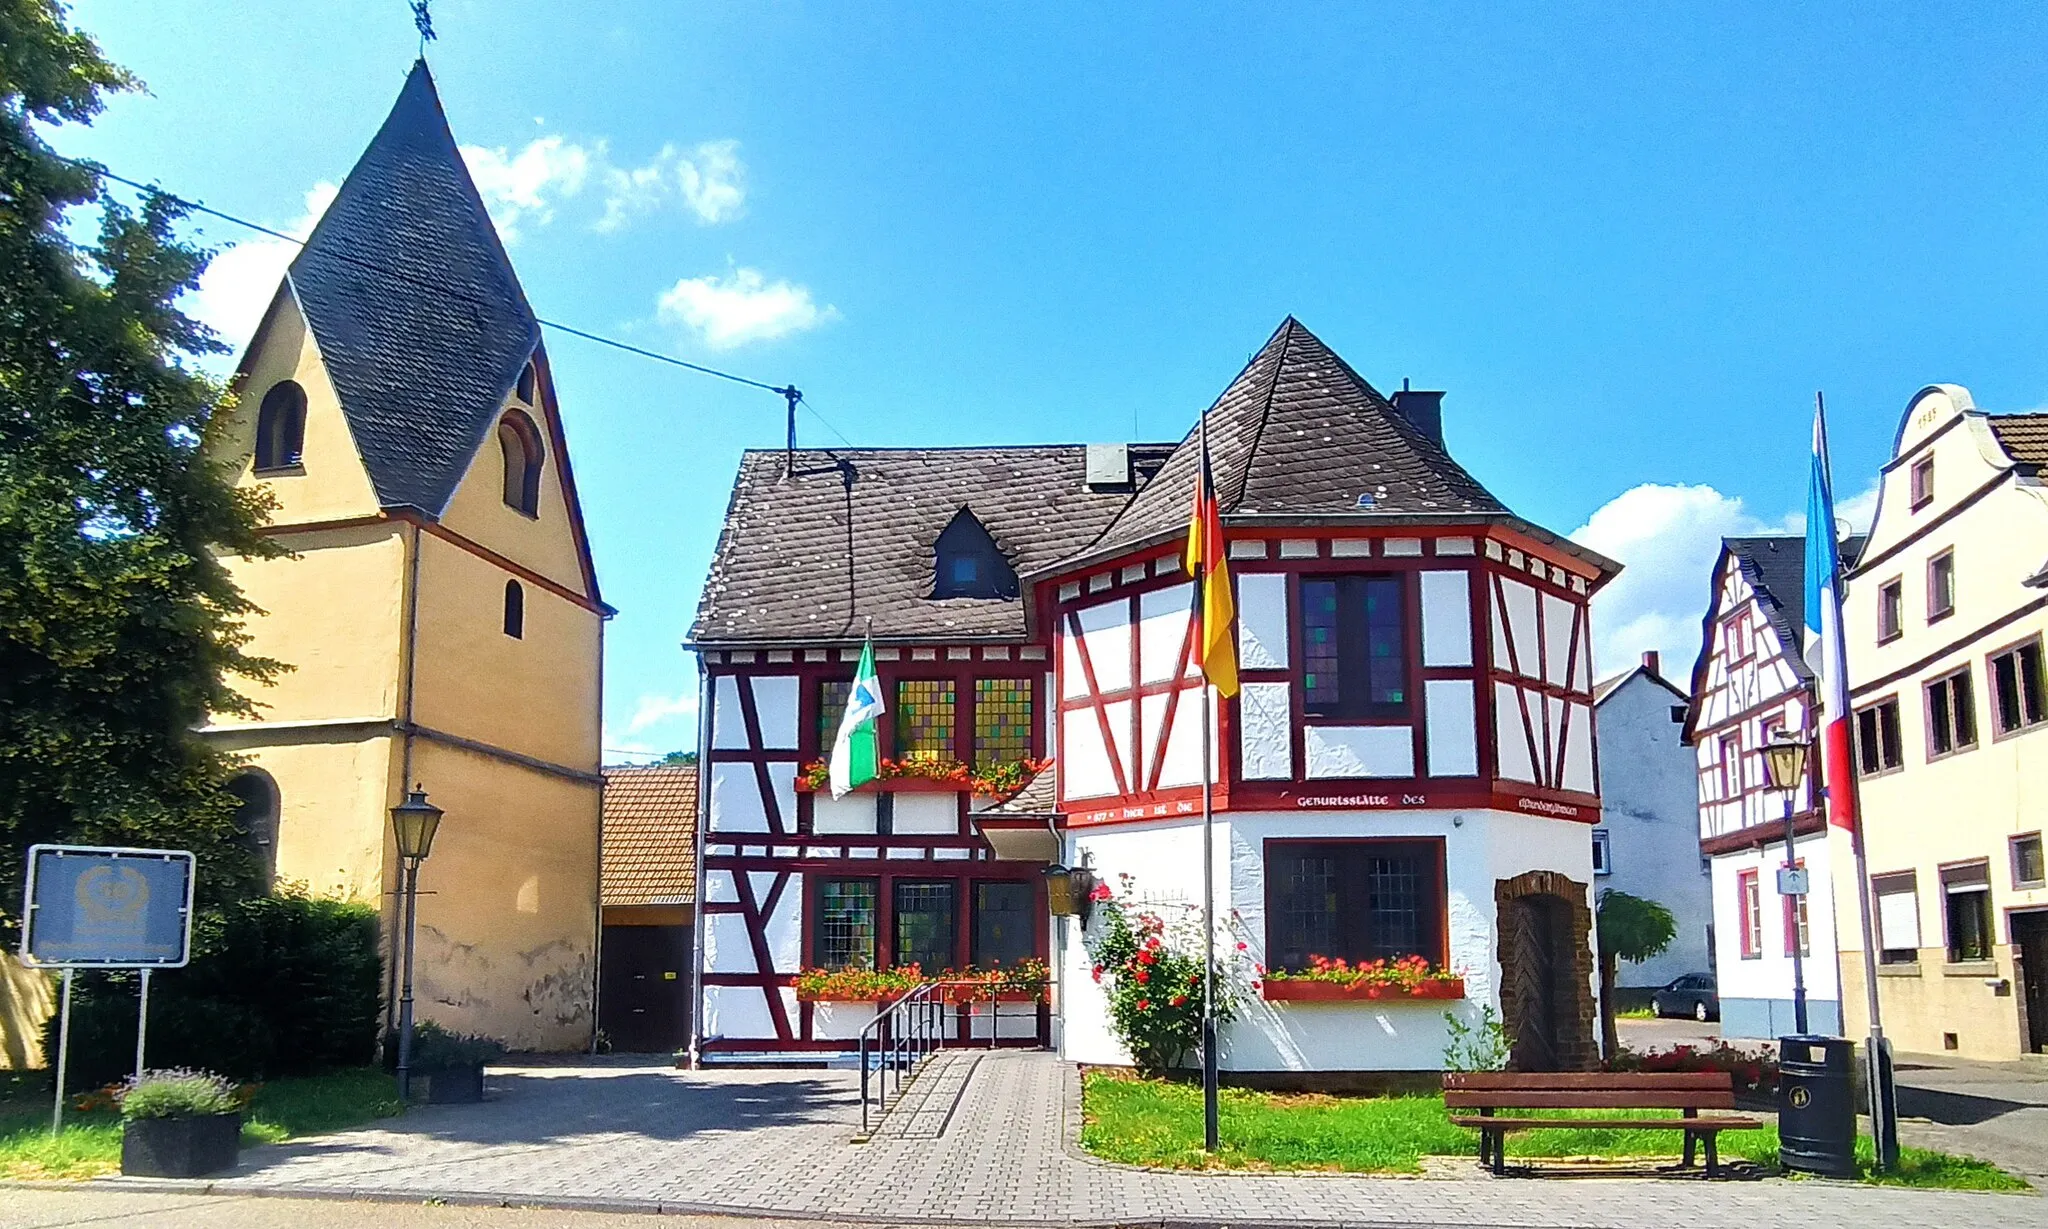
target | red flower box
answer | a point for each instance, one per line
(974, 994)
(893, 785)
(1309, 990)
(877, 997)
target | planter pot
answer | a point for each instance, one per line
(450, 1085)
(968, 994)
(879, 998)
(896, 785)
(180, 1147)
(1293, 990)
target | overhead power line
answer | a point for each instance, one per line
(789, 392)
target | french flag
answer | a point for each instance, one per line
(1825, 648)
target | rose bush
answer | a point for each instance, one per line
(1152, 975)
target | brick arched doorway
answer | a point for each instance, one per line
(1546, 967)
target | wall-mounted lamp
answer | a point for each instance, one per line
(1069, 891)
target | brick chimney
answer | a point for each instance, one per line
(1650, 663)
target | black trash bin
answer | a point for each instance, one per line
(1817, 1105)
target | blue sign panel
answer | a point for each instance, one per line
(113, 908)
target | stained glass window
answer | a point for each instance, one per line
(831, 707)
(924, 925)
(1354, 900)
(925, 710)
(1002, 720)
(845, 937)
(1356, 650)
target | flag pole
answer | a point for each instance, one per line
(1884, 1113)
(1209, 1106)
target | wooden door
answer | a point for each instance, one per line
(1534, 966)
(643, 1002)
(2030, 945)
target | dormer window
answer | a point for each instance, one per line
(281, 427)
(969, 563)
(519, 440)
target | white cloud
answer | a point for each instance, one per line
(746, 307)
(655, 709)
(710, 181)
(240, 280)
(1668, 537)
(526, 186)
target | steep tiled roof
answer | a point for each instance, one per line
(2025, 436)
(650, 835)
(1775, 566)
(419, 318)
(787, 568)
(1036, 798)
(1299, 433)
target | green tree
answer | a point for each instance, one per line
(1631, 929)
(118, 623)
(679, 757)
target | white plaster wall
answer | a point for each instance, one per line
(1083, 760)
(1521, 624)
(840, 1021)
(736, 1011)
(1334, 751)
(736, 799)
(919, 814)
(1182, 757)
(1510, 736)
(1769, 974)
(1265, 732)
(1453, 740)
(719, 889)
(1106, 629)
(1262, 621)
(775, 706)
(1557, 639)
(1165, 861)
(1162, 632)
(1446, 619)
(728, 724)
(854, 813)
(1650, 810)
(1119, 714)
(726, 946)
(786, 925)
(1578, 749)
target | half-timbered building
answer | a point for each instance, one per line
(1409, 769)
(1751, 685)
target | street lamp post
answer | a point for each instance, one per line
(413, 823)
(1786, 759)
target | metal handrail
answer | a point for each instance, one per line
(905, 1034)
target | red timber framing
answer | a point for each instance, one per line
(1129, 578)
(754, 873)
(1743, 687)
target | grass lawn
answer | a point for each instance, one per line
(91, 1142)
(1159, 1123)
(1636, 1013)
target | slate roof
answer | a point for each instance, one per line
(781, 572)
(650, 835)
(1297, 434)
(2024, 436)
(1038, 797)
(418, 315)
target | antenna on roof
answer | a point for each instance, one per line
(424, 20)
(791, 395)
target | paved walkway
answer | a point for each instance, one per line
(779, 1143)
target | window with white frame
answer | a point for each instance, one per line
(1603, 853)
(1966, 896)
(1898, 917)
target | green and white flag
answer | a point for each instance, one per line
(855, 758)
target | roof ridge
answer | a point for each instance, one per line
(1286, 335)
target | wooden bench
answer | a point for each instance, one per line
(1688, 1092)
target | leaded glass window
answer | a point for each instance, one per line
(1002, 720)
(845, 933)
(925, 712)
(1355, 634)
(1353, 900)
(925, 929)
(831, 708)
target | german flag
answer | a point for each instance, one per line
(1215, 607)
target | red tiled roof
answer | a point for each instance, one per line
(650, 835)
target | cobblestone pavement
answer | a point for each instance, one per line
(779, 1143)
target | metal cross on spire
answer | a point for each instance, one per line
(423, 18)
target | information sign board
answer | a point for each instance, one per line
(99, 907)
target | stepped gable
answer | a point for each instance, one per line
(786, 571)
(1300, 434)
(420, 320)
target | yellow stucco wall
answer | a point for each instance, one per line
(508, 911)
(508, 925)
(1966, 806)
(27, 997)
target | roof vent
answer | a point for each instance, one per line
(1109, 465)
(1424, 411)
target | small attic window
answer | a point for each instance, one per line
(519, 440)
(968, 563)
(281, 427)
(529, 382)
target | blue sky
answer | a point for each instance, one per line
(1630, 244)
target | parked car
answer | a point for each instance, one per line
(1692, 995)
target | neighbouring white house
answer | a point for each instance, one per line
(1648, 841)
(1409, 770)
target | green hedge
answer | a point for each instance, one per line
(278, 986)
